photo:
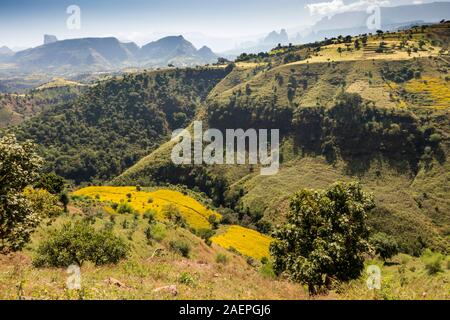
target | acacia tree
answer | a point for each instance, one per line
(325, 237)
(19, 165)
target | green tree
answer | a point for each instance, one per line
(51, 182)
(19, 165)
(325, 236)
(79, 242)
(385, 246)
(64, 198)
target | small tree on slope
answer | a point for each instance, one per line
(325, 237)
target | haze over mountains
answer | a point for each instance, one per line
(349, 23)
(107, 54)
(110, 54)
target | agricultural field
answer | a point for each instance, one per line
(195, 213)
(245, 241)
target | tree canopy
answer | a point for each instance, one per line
(325, 237)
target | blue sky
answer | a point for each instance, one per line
(23, 22)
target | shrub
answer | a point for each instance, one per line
(124, 207)
(79, 242)
(187, 279)
(43, 202)
(173, 214)
(385, 246)
(150, 215)
(205, 234)
(435, 138)
(432, 261)
(267, 270)
(156, 232)
(222, 258)
(180, 247)
(214, 221)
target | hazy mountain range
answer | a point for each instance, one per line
(106, 54)
(348, 23)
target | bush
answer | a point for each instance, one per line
(435, 138)
(222, 258)
(385, 246)
(156, 232)
(180, 247)
(206, 235)
(150, 215)
(267, 270)
(124, 207)
(214, 221)
(187, 279)
(173, 214)
(79, 242)
(432, 261)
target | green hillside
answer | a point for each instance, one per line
(117, 121)
(376, 112)
(16, 108)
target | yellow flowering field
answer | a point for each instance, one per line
(246, 241)
(194, 212)
(436, 89)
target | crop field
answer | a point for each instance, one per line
(195, 213)
(246, 241)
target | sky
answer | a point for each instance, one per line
(221, 23)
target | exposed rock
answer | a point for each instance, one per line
(172, 289)
(114, 282)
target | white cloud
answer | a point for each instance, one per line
(338, 6)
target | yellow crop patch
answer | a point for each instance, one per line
(194, 212)
(436, 89)
(246, 241)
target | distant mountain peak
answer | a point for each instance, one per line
(48, 38)
(206, 53)
(6, 51)
(275, 37)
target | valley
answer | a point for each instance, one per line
(372, 109)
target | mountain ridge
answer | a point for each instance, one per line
(108, 53)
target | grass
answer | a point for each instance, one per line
(202, 276)
(403, 277)
(248, 242)
(58, 82)
(151, 265)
